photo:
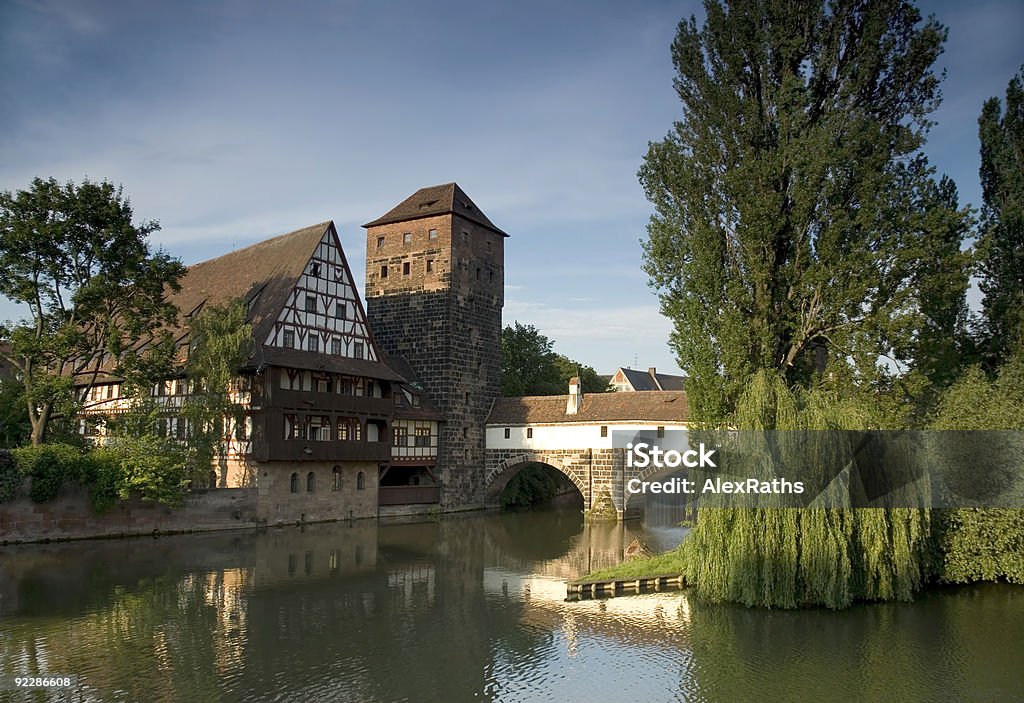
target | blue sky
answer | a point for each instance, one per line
(232, 122)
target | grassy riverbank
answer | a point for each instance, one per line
(672, 562)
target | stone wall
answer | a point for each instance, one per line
(70, 515)
(327, 501)
(446, 322)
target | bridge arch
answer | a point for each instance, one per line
(499, 476)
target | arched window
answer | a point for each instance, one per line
(361, 482)
(295, 483)
(336, 478)
(310, 482)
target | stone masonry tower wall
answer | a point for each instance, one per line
(434, 294)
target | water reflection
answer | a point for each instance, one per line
(468, 607)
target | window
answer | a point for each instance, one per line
(336, 346)
(313, 343)
(292, 428)
(380, 242)
(432, 234)
(407, 238)
(242, 429)
(384, 271)
(314, 269)
(401, 436)
(405, 268)
(430, 265)
(529, 433)
(478, 273)
(357, 350)
(319, 428)
(361, 482)
(310, 303)
(508, 432)
(604, 430)
(336, 478)
(295, 483)
(490, 275)
(340, 311)
(349, 429)
(110, 391)
(310, 482)
(661, 432)
(422, 436)
(323, 384)
(465, 237)
(488, 246)
(288, 339)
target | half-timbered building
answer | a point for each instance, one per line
(319, 398)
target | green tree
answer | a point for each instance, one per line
(220, 341)
(14, 424)
(793, 208)
(590, 381)
(1002, 231)
(530, 366)
(95, 291)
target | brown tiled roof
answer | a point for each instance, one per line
(267, 270)
(302, 359)
(443, 199)
(665, 406)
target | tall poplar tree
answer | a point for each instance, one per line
(1002, 231)
(794, 212)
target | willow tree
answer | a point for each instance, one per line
(795, 216)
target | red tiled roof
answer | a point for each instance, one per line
(666, 406)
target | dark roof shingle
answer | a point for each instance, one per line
(443, 199)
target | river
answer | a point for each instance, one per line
(463, 608)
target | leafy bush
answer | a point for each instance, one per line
(104, 477)
(10, 477)
(49, 466)
(533, 485)
(157, 468)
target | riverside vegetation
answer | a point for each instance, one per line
(815, 271)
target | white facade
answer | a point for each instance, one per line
(568, 435)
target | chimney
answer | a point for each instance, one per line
(572, 406)
(653, 373)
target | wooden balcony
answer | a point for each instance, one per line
(327, 402)
(306, 450)
(408, 495)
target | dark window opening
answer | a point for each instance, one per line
(604, 430)
(383, 271)
(295, 483)
(380, 242)
(661, 432)
(310, 303)
(508, 432)
(405, 268)
(430, 265)
(336, 478)
(310, 482)
(361, 482)
(288, 339)
(314, 270)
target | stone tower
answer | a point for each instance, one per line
(434, 292)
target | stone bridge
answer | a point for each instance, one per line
(600, 475)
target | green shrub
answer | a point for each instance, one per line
(104, 477)
(49, 466)
(10, 477)
(156, 468)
